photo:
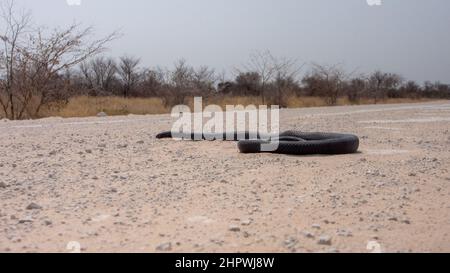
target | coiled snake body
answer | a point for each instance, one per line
(289, 142)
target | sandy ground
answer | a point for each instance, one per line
(109, 185)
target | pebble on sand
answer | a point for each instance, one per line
(25, 220)
(164, 247)
(33, 206)
(324, 240)
(234, 228)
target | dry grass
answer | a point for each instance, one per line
(90, 106)
(299, 102)
(84, 106)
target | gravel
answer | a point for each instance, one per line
(234, 228)
(324, 240)
(164, 247)
(33, 206)
(206, 197)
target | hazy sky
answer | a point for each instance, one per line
(410, 37)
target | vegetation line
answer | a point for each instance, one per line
(63, 72)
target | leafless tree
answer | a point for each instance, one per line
(151, 83)
(376, 84)
(381, 83)
(34, 58)
(181, 83)
(204, 80)
(56, 52)
(265, 65)
(356, 88)
(182, 75)
(99, 74)
(129, 74)
(327, 81)
(15, 26)
(222, 76)
(286, 74)
(410, 89)
(436, 90)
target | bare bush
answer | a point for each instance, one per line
(264, 64)
(285, 81)
(436, 90)
(100, 76)
(266, 76)
(381, 85)
(248, 84)
(409, 90)
(152, 83)
(326, 81)
(356, 88)
(204, 79)
(34, 59)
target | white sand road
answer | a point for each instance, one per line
(109, 186)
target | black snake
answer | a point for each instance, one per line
(289, 142)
